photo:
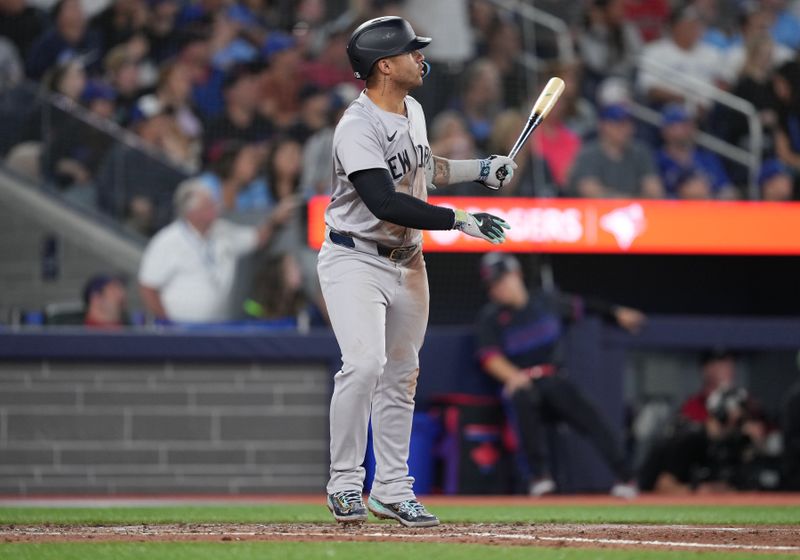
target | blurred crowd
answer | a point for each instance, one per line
(238, 99)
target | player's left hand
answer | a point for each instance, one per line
(495, 171)
(632, 320)
(481, 225)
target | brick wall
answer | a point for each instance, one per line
(122, 428)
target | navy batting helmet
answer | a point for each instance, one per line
(495, 265)
(380, 38)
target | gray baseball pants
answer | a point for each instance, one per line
(379, 312)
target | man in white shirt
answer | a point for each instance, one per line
(685, 53)
(187, 271)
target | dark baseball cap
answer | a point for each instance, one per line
(277, 42)
(237, 72)
(674, 113)
(689, 174)
(715, 354)
(96, 89)
(496, 265)
(771, 168)
(616, 112)
(98, 282)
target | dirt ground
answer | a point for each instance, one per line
(772, 539)
(775, 539)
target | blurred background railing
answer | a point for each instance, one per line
(88, 160)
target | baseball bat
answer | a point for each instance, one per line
(544, 104)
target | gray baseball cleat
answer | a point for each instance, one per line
(409, 513)
(347, 506)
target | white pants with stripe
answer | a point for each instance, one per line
(379, 312)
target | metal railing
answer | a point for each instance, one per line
(120, 134)
(749, 158)
(116, 166)
(532, 14)
(121, 251)
(566, 50)
(696, 89)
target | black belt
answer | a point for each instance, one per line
(391, 253)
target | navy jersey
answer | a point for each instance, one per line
(527, 337)
(532, 335)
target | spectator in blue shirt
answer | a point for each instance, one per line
(234, 180)
(481, 99)
(69, 37)
(786, 84)
(785, 25)
(775, 181)
(680, 154)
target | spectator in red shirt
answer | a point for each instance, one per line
(650, 16)
(331, 66)
(719, 372)
(556, 144)
(106, 300)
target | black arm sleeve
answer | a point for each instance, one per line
(572, 307)
(376, 189)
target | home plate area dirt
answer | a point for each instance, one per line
(773, 539)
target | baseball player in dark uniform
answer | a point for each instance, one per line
(518, 345)
(372, 271)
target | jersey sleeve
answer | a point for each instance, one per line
(156, 267)
(572, 307)
(568, 307)
(242, 239)
(357, 146)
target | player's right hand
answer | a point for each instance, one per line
(515, 383)
(496, 170)
(481, 225)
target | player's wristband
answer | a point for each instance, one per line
(465, 170)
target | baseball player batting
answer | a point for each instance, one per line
(372, 271)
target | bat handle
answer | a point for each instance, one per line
(502, 173)
(533, 122)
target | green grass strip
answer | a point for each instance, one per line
(299, 513)
(333, 550)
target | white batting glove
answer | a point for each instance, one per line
(481, 225)
(495, 170)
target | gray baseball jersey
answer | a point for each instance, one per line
(378, 308)
(370, 138)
